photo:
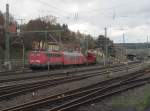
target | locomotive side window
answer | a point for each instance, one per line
(58, 55)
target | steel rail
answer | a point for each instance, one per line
(34, 104)
(20, 89)
(6, 79)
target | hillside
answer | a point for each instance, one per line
(135, 45)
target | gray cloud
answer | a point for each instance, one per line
(91, 16)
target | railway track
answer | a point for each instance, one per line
(12, 91)
(41, 75)
(97, 95)
(73, 98)
(15, 72)
(28, 71)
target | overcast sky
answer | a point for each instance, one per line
(131, 17)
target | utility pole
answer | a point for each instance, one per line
(147, 46)
(84, 44)
(46, 41)
(106, 48)
(7, 39)
(123, 38)
(23, 46)
(60, 42)
(125, 59)
(87, 44)
(123, 46)
(147, 42)
(106, 54)
(21, 20)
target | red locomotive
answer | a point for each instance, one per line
(41, 59)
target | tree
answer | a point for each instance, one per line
(91, 42)
(37, 24)
(49, 19)
(44, 24)
(101, 43)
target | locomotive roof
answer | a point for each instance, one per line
(64, 52)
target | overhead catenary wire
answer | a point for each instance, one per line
(109, 8)
(53, 7)
(57, 12)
